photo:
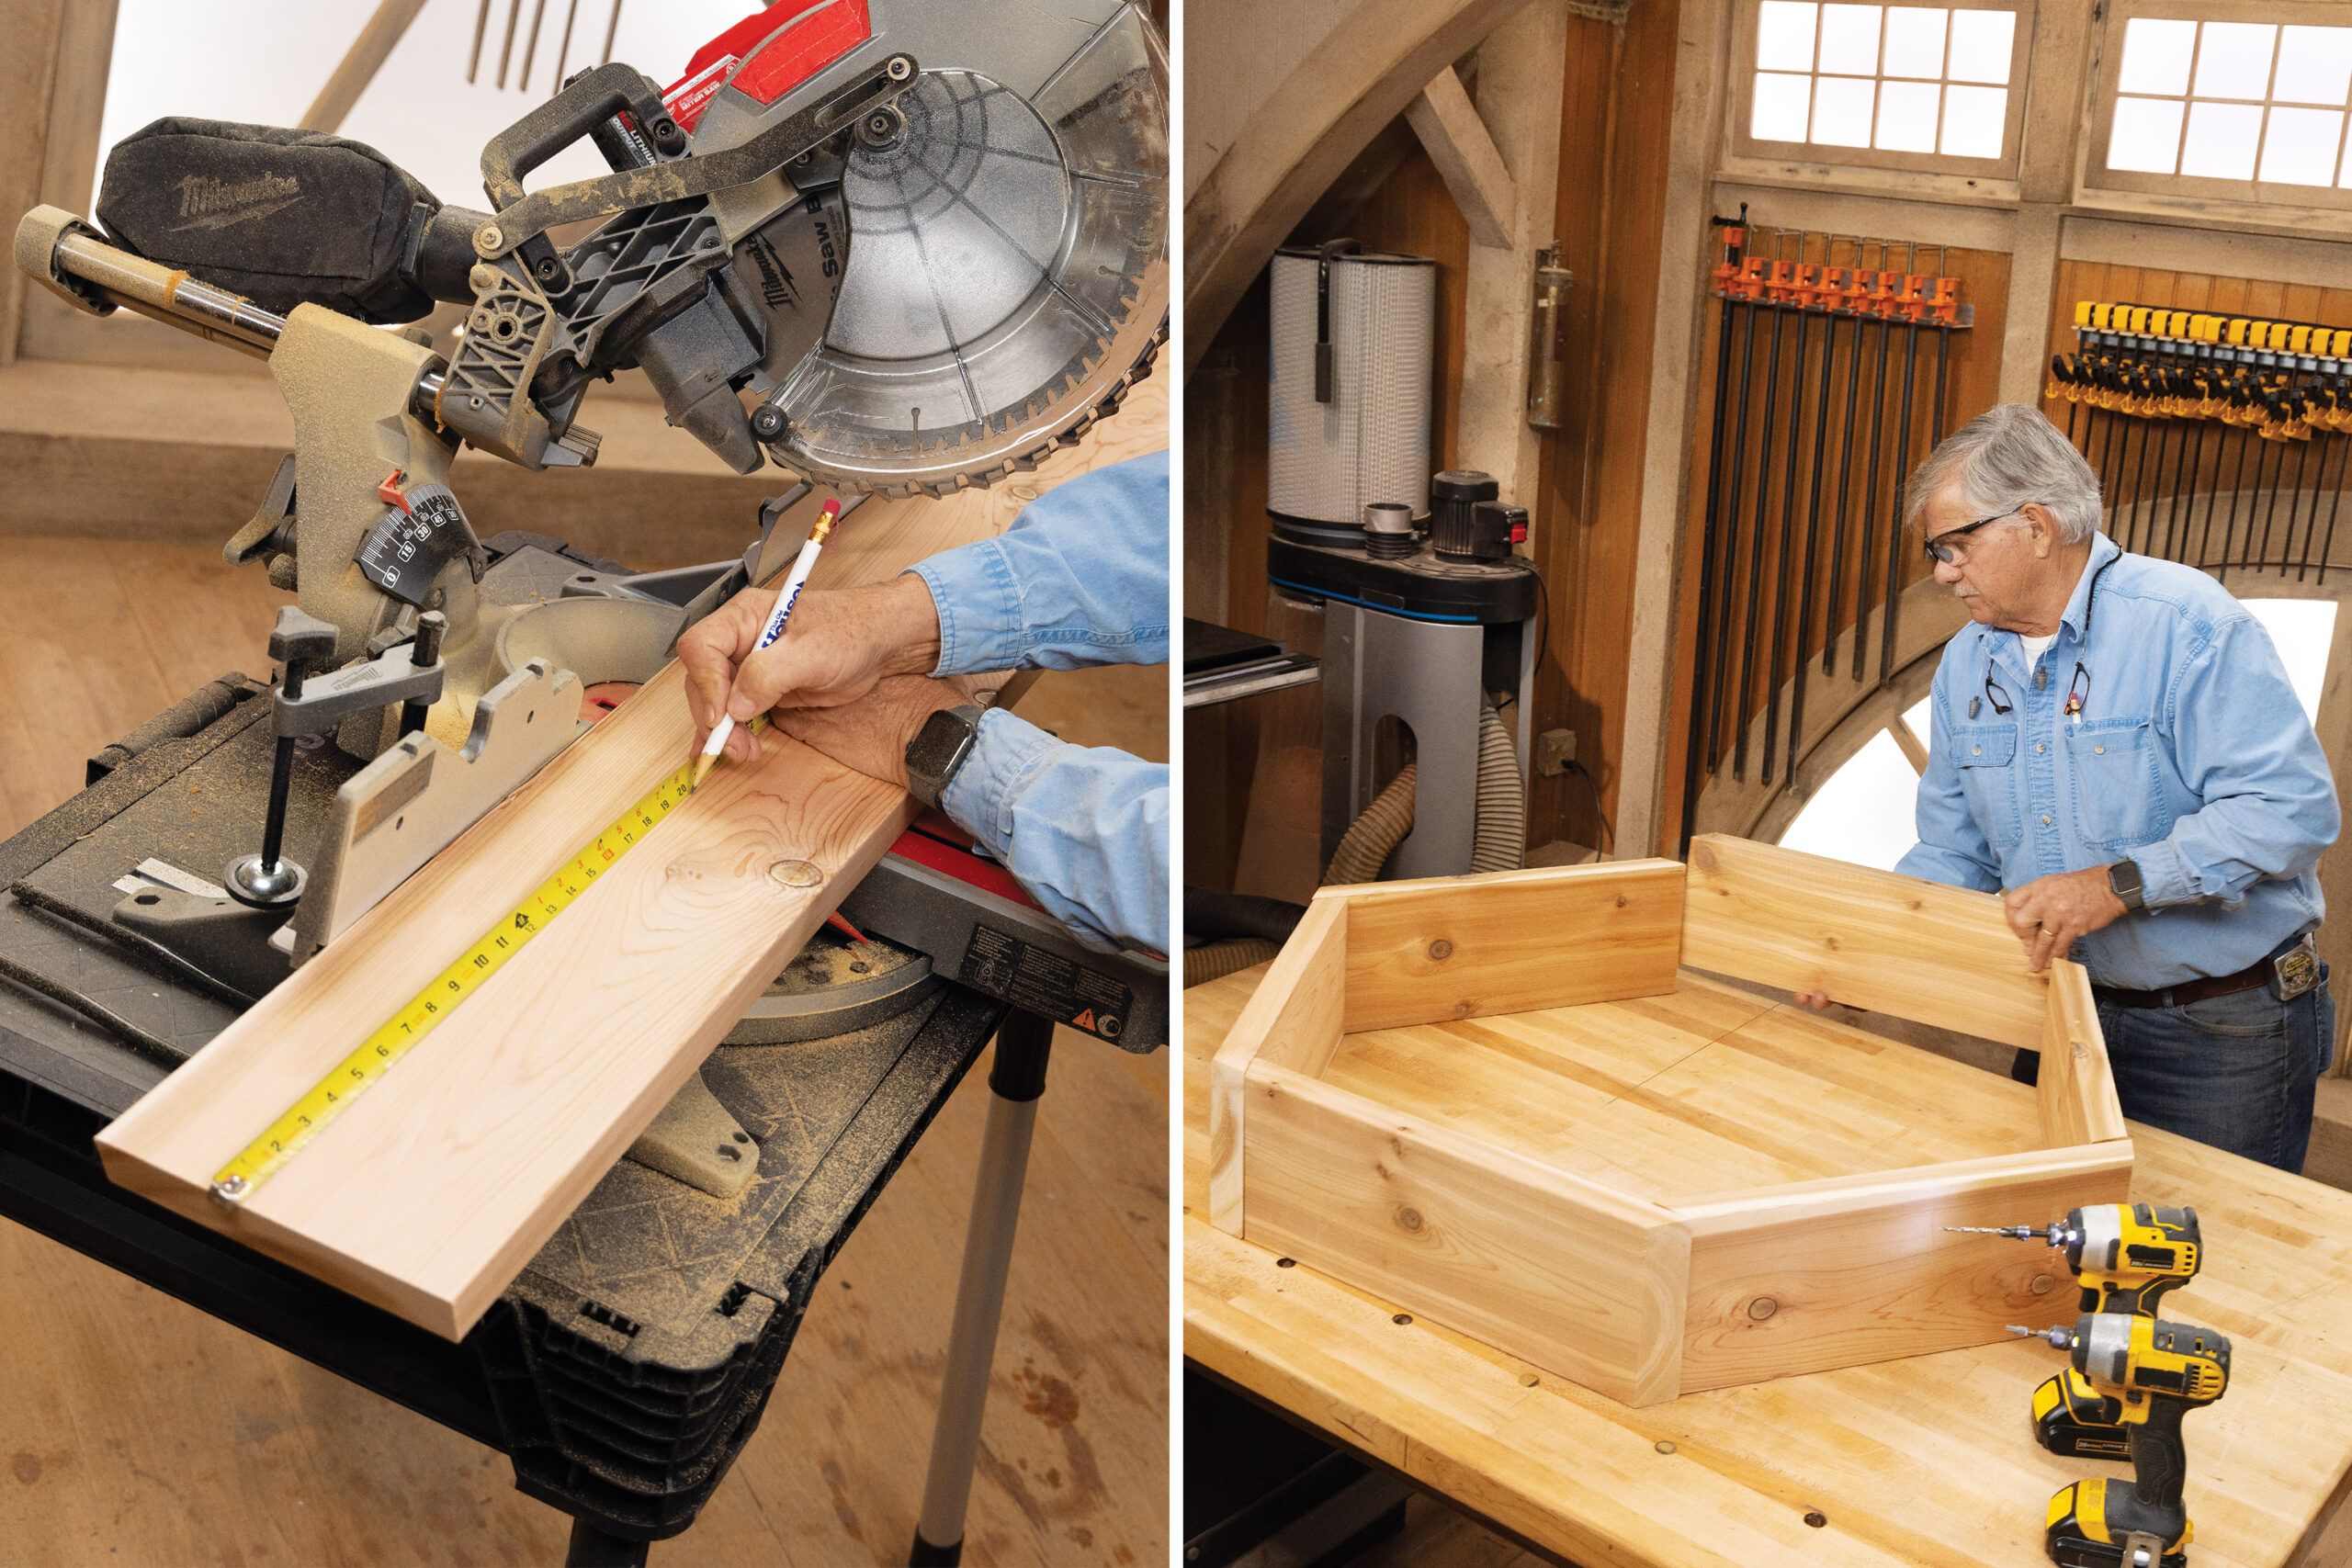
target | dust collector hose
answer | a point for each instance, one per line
(1230, 955)
(1365, 848)
(1501, 843)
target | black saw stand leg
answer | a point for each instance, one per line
(593, 1547)
(1015, 1082)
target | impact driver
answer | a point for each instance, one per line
(2126, 1256)
(2156, 1373)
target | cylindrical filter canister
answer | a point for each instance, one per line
(1360, 432)
(1388, 530)
(1453, 496)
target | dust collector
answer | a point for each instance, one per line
(1427, 613)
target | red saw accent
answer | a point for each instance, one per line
(389, 492)
(769, 52)
(937, 842)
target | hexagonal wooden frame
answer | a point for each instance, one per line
(1639, 1300)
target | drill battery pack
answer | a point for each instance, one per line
(2093, 1524)
(2072, 1419)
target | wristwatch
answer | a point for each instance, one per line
(939, 749)
(2123, 881)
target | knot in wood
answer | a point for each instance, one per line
(1440, 950)
(1702, 858)
(1665, 1446)
(794, 873)
(1762, 1307)
(1622, 901)
(2042, 1285)
(1408, 1218)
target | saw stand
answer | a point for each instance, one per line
(625, 1368)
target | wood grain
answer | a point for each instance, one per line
(1897, 1464)
(1807, 1278)
(2077, 1083)
(1510, 940)
(1588, 1281)
(1464, 152)
(1869, 938)
(429, 1193)
(1294, 1019)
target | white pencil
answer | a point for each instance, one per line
(793, 582)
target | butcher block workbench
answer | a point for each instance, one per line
(1924, 1460)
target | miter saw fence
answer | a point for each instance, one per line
(894, 245)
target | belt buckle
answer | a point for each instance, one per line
(2295, 971)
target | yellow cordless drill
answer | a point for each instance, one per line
(2126, 1256)
(2156, 1373)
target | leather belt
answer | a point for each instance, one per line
(2282, 963)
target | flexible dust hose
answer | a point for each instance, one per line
(1365, 848)
(1501, 843)
(1216, 960)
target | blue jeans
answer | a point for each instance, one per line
(2239, 1072)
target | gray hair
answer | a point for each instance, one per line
(2004, 458)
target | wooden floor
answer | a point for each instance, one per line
(134, 1429)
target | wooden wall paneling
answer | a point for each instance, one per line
(426, 1195)
(2076, 1088)
(1830, 1274)
(1303, 131)
(1519, 99)
(1580, 1279)
(1450, 948)
(1869, 938)
(28, 80)
(1294, 1019)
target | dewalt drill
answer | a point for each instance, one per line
(2126, 1256)
(2156, 1373)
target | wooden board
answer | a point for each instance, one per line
(1295, 1022)
(2077, 1083)
(428, 1194)
(1898, 1464)
(1891, 945)
(1509, 941)
(1591, 1281)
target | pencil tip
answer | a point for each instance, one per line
(702, 772)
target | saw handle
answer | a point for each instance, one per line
(580, 109)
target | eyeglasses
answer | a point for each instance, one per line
(1942, 551)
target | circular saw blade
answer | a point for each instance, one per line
(1007, 276)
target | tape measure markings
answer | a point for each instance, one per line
(365, 1067)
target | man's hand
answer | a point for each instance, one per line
(838, 643)
(2051, 913)
(873, 735)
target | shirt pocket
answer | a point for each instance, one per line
(1987, 758)
(2117, 796)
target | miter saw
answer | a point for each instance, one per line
(891, 246)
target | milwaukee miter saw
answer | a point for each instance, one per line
(891, 246)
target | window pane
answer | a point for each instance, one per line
(2234, 60)
(1863, 815)
(2301, 629)
(1907, 116)
(1980, 45)
(1849, 39)
(1920, 719)
(2155, 58)
(1780, 104)
(1974, 121)
(1783, 36)
(1841, 110)
(2146, 139)
(2221, 140)
(1915, 42)
(2314, 65)
(2299, 146)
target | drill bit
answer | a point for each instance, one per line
(2015, 1233)
(2060, 1336)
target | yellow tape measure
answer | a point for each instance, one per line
(359, 1072)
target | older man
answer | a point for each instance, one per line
(2116, 751)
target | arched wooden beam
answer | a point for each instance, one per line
(1308, 130)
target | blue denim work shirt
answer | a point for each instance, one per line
(1081, 577)
(2191, 758)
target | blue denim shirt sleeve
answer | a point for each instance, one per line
(1081, 577)
(1084, 829)
(2270, 807)
(1953, 849)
